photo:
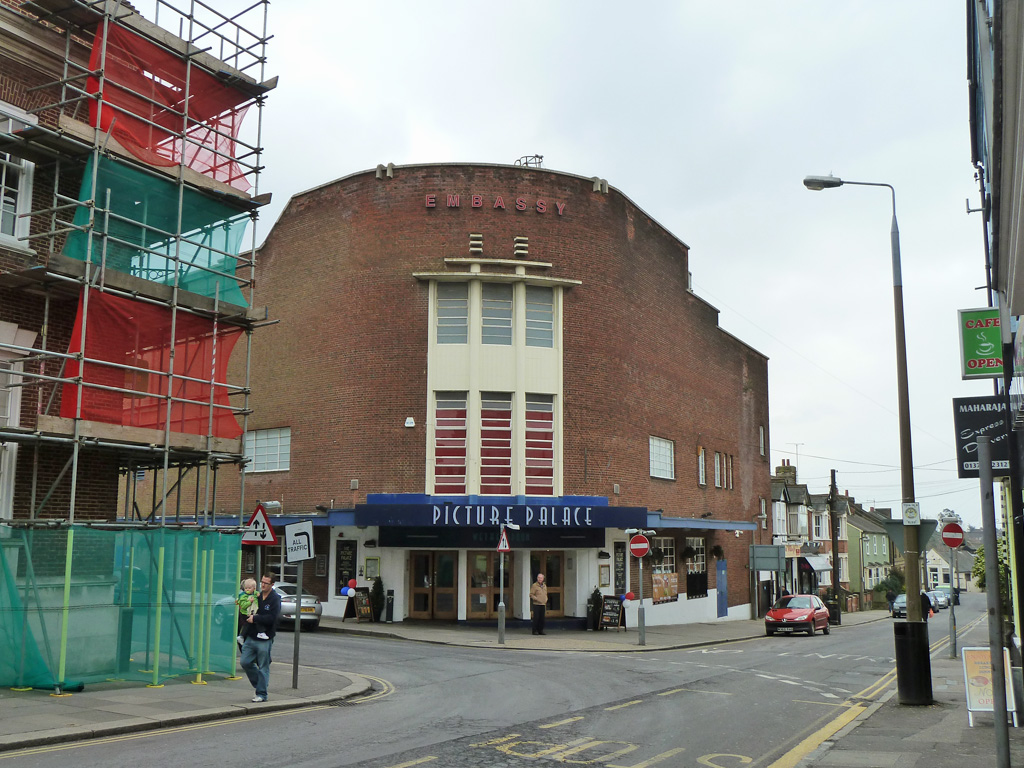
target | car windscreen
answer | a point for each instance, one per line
(793, 602)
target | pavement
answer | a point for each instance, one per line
(874, 731)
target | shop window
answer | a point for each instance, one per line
(268, 450)
(452, 313)
(450, 443)
(662, 458)
(696, 569)
(496, 443)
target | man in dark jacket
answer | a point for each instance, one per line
(259, 640)
(926, 605)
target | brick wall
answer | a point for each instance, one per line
(346, 363)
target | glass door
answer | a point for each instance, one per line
(484, 579)
(550, 564)
(433, 577)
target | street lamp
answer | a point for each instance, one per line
(501, 584)
(913, 668)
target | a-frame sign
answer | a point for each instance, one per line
(258, 530)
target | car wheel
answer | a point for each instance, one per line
(810, 630)
(770, 632)
(314, 626)
(826, 629)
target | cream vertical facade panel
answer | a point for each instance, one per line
(475, 367)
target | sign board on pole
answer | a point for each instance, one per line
(639, 545)
(298, 541)
(258, 530)
(911, 513)
(952, 535)
(981, 344)
(503, 542)
(973, 416)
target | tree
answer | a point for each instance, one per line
(1004, 566)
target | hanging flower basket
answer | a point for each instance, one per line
(717, 552)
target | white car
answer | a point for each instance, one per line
(310, 609)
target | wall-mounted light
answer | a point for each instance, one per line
(410, 421)
(602, 555)
(370, 543)
(360, 571)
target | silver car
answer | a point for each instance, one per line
(939, 598)
(310, 609)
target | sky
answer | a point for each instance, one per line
(707, 116)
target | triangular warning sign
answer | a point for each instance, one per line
(503, 542)
(258, 529)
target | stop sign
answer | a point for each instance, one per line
(639, 545)
(952, 535)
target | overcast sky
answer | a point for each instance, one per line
(707, 116)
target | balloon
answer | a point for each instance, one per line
(352, 583)
(630, 596)
(622, 597)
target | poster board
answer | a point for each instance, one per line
(978, 682)
(612, 613)
(666, 587)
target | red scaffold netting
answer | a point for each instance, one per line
(142, 104)
(131, 333)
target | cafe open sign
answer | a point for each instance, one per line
(981, 344)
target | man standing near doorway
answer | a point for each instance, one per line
(538, 603)
(259, 640)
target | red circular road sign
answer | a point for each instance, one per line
(952, 535)
(639, 545)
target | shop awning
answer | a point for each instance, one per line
(818, 562)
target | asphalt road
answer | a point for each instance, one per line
(721, 706)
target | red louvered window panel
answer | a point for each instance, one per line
(540, 445)
(450, 443)
(496, 443)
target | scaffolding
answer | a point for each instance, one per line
(120, 307)
(146, 151)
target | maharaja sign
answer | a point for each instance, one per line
(974, 416)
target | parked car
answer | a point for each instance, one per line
(797, 613)
(310, 610)
(899, 606)
(939, 598)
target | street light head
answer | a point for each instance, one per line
(818, 183)
(512, 526)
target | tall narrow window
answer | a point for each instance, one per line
(662, 458)
(497, 314)
(15, 178)
(540, 445)
(450, 443)
(718, 470)
(540, 316)
(452, 313)
(729, 465)
(496, 443)
(702, 476)
(760, 439)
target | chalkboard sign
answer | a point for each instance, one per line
(620, 567)
(362, 600)
(612, 614)
(345, 560)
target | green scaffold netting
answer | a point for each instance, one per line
(81, 605)
(134, 233)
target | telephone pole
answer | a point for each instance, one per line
(833, 522)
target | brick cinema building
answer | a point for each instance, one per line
(457, 346)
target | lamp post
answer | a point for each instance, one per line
(913, 665)
(501, 584)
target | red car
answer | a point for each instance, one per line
(797, 613)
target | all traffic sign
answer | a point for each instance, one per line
(639, 545)
(952, 535)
